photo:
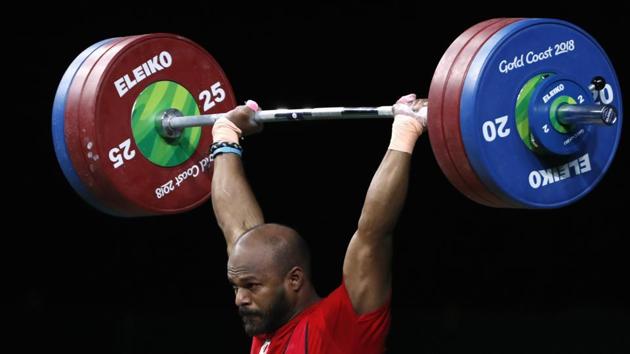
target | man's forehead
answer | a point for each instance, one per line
(247, 264)
(242, 277)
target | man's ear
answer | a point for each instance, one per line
(295, 278)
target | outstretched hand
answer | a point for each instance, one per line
(413, 107)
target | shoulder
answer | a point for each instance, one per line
(333, 324)
(337, 308)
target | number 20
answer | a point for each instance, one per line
(492, 128)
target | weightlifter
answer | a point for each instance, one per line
(269, 264)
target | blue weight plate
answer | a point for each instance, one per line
(58, 122)
(500, 70)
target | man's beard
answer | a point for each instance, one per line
(266, 321)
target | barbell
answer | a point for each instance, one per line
(522, 113)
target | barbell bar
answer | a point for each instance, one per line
(171, 122)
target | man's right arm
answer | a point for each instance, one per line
(233, 201)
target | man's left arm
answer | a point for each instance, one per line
(367, 265)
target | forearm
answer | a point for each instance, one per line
(386, 196)
(233, 201)
(367, 266)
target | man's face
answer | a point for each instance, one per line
(259, 294)
(267, 311)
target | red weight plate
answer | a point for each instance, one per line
(452, 118)
(141, 74)
(436, 96)
(71, 125)
(446, 91)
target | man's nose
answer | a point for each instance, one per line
(242, 297)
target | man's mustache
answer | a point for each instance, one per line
(243, 312)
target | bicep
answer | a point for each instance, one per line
(367, 271)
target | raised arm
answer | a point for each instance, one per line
(367, 265)
(233, 201)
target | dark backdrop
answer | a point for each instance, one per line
(467, 278)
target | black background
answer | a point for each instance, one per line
(467, 278)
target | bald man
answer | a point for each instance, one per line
(269, 264)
